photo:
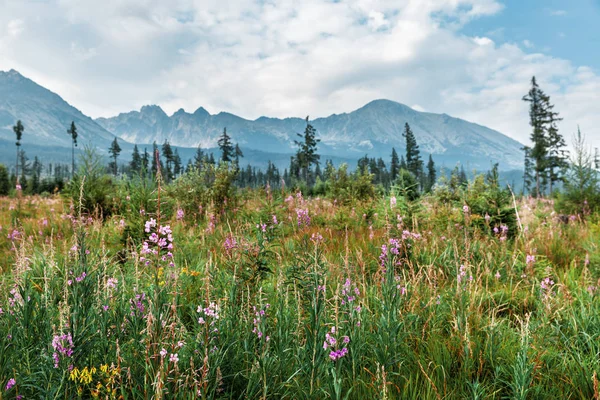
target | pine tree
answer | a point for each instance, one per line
(199, 158)
(547, 155)
(4, 181)
(72, 131)
(431, 175)
(307, 150)
(403, 163)
(226, 147)
(394, 165)
(528, 174)
(145, 161)
(581, 189)
(414, 164)
(36, 174)
(167, 153)
(176, 163)
(25, 169)
(136, 161)
(114, 151)
(18, 129)
(238, 153)
(462, 177)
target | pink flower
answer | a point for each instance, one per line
(174, 358)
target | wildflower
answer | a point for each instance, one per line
(174, 358)
(466, 209)
(497, 275)
(11, 382)
(18, 187)
(180, 214)
(302, 217)
(316, 238)
(163, 353)
(63, 346)
(487, 218)
(392, 202)
(530, 259)
(149, 225)
(275, 219)
(111, 283)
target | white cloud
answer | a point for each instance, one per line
(15, 27)
(286, 58)
(528, 44)
(558, 13)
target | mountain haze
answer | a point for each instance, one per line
(373, 129)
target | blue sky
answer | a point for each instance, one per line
(472, 59)
(568, 29)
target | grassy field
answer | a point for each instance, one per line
(287, 297)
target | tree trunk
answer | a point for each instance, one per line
(17, 166)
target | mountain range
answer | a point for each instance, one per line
(373, 129)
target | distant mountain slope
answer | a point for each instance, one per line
(45, 115)
(372, 129)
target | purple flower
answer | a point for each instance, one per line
(11, 382)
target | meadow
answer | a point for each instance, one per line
(272, 294)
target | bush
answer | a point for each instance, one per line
(92, 186)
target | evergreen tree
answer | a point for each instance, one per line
(145, 161)
(414, 164)
(136, 161)
(72, 131)
(36, 170)
(176, 163)
(557, 155)
(462, 177)
(25, 169)
(403, 163)
(581, 188)
(199, 158)
(394, 165)
(384, 178)
(238, 153)
(547, 155)
(329, 172)
(529, 174)
(431, 175)
(226, 147)
(114, 151)
(4, 181)
(18, 129)
(307, 150)
(167, 153)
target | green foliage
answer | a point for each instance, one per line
(347, 188)
(227, 150)
(407, 186)
(582, 186)
(4, 181)
(91, 186)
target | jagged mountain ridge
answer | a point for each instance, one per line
(372, 129)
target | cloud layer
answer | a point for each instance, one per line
(287, 58)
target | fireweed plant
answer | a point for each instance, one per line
(279, 294)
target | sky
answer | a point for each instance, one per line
(471, 59)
